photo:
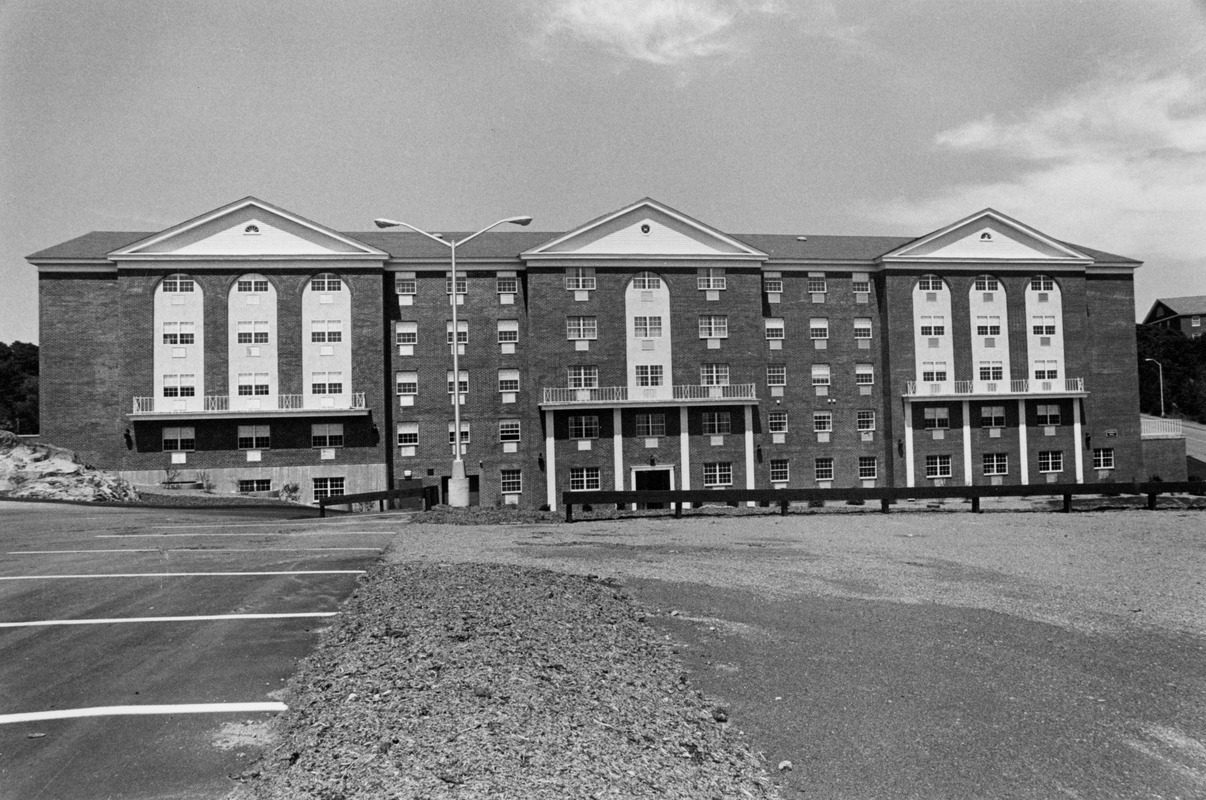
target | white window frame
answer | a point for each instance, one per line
(180, 439)
(717, 473)
(582, 376)
(406, 383)
(995, 464)
(649, 374)
(508, 331)
(584, 479)
(823, 468)
(822, 421)
(864, 419)
(938, 466)
(821, 375)
(462, 331)
(713, 374)
(1050, 461)
(774, 328)
(579, 279)
(253, 437)
(868, 468)
(716, 423)
(864, 374)
(583, 426)
(992, 416)
(651, 424)
(647, 327)
(776, 374)
(462, 384)
(406, 283)
(780, 470)
(508, 380)
(325, 435)
(1103, 458)
(936, 418)
(776, 422)
(713, 326)
(862, 328)
(329, 487)
(509, 430)
(406, 332)
(579, 328)
(411, 431)
(510, 481)
(818, 328)
(465, 433)
(711, 279)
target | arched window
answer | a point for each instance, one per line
(326, 282)
(178, 283)
(251, 230)
(647, 280)
(930, 283)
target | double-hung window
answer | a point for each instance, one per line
(1046, 369)
(987, 283)
(577, 328)
(464, 432)
(646, 281)
(718, 473)
(868, 468)
(175, 284)
(860, 283)
(407, 382)
(254, 383)
(252, 333)
(651, 424)
(326, 435)
(988, 326)
(179, 440)
(996, 463)
(508, 284)
(254, 437)
(820, 374)
(933, 325)
(992, 416)
(716, 423)
(583, 377)
(580, 278)
(774, 328)
(864, 420)
(710, 278)
(816, 283)
(584, 427)
(1042, 283)
(405, 283)
(822, 421)
(647, 327)
(713, 374)
(179, 333)
(776, 374)
(251, 285)
(864, 374)
(408, 434)
(772, 284)
(823, 468)
(462, 283)
(776, 422)
(713, 326)
(649, 374)
(991, 370)
(462, 384)
(508, 380)
(780, 470)
(937, 418)
(584, 479)
(930, 283)
(329, 382)
(818, 328)
(1047, 414)
(1043, 325)
(248, 485)
(326, 282)
(180, 385)
(406, 332)
(1103, 458)
(933, 371)
(462, 331)
(937, 466)
(1051, 461)
(510, 481)
(508, 331)
(862, 327)
(508, 430)
(324, 330)
(328, 487)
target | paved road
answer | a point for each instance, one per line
(52, 559)
(1195, 440)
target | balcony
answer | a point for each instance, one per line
(739, 393)
(967, 390)
(219, 406)
(1154, 428)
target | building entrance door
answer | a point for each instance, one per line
(652, 480)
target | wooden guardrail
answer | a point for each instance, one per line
(369, 497)
(783, 498)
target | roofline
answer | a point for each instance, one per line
(987, 212)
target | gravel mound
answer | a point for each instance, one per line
(474, 681)
(46, 472)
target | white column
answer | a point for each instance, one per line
(1077, 447)
(1024, 456)
(617, 449)
(550, 462)
(749, 451)
(910, 476)
(684, 447)
(967, 461)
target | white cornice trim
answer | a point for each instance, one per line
(901, 252)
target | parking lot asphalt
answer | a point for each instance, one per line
(140, 655)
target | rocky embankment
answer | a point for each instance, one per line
(45, 472)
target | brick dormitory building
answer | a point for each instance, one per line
(254, 349)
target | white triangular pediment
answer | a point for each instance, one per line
(645, 229)
(250, 228)
(987, 236)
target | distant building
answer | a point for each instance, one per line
(1184, 314)
(643, 349)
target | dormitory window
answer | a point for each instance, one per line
(772, 285)
(508, 380)
(719, 473)
(988, 326)
(508, 284)
(1195, 321)
(862, 328)
(930, 283)
(583, 377)
(986, 283)
(647, 327)
(584, 479)
(508, 330)
(937, 466)
(816, 284)
(823, 468)
(645, 280)
(452, 432)
(779, 470)
(865, 420)
(510, 481)
(179, 440)
(408, 434)
(405, 283)
(864, 374)
(713, 374)
(937, 419)
(822, 421)
(774, 328)
(710, 278)
(996, 463)
(508, 430)
(406, 333)
(462, 386)
(713, 326)
(252, 333)
(255, 485)
(254, 437)
(462, 332)
(820, 374)
(650, 424)
(992, 416)
(1042, 283)
(178, 283)
(933, 326)
(327, 435)
(1045, 370)
(183, 385)
(776, 422)
(584, 427)
(868, 467)
(992, 371)
(1044, 326)
(818, 328)
(462, 284)
(580, 279)
(407, 382)
(326, 383)
(251, 285)
(581, 328)
(328, 487)
(179, 332)
(1051, 461)
(716, 423)
(1047, 414)
(860, 283)
(649, 375)
(1103, 458)
(252, 383)
(776, 375)
(933, 371)
(326, 330)
(326, 282)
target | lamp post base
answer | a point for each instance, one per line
(458, 486)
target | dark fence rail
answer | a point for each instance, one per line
(783, 498)
(380, 498)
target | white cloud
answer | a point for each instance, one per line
(1118, 164)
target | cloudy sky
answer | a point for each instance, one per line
(1086, 120)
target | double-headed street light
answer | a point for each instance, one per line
(458, 484)
(1160, 367)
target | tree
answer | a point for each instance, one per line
(19, 387)
(1184, 368)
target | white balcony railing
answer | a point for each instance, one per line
(621, 395)
(222, 404)
(990, 388)
(1161, 428)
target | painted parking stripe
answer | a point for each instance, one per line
(181, 574)
(258, 533)
(191, 550)
(127, 711)
(205, 618)
(278, 523)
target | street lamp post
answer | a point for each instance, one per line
(458, 484)
(1160, 367)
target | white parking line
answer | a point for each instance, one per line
(126, 711)
(206, 618)
(260, 533)
(191, 550)
(181, 574)
(311, 521)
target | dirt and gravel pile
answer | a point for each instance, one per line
(474, 681)
(45, 472)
